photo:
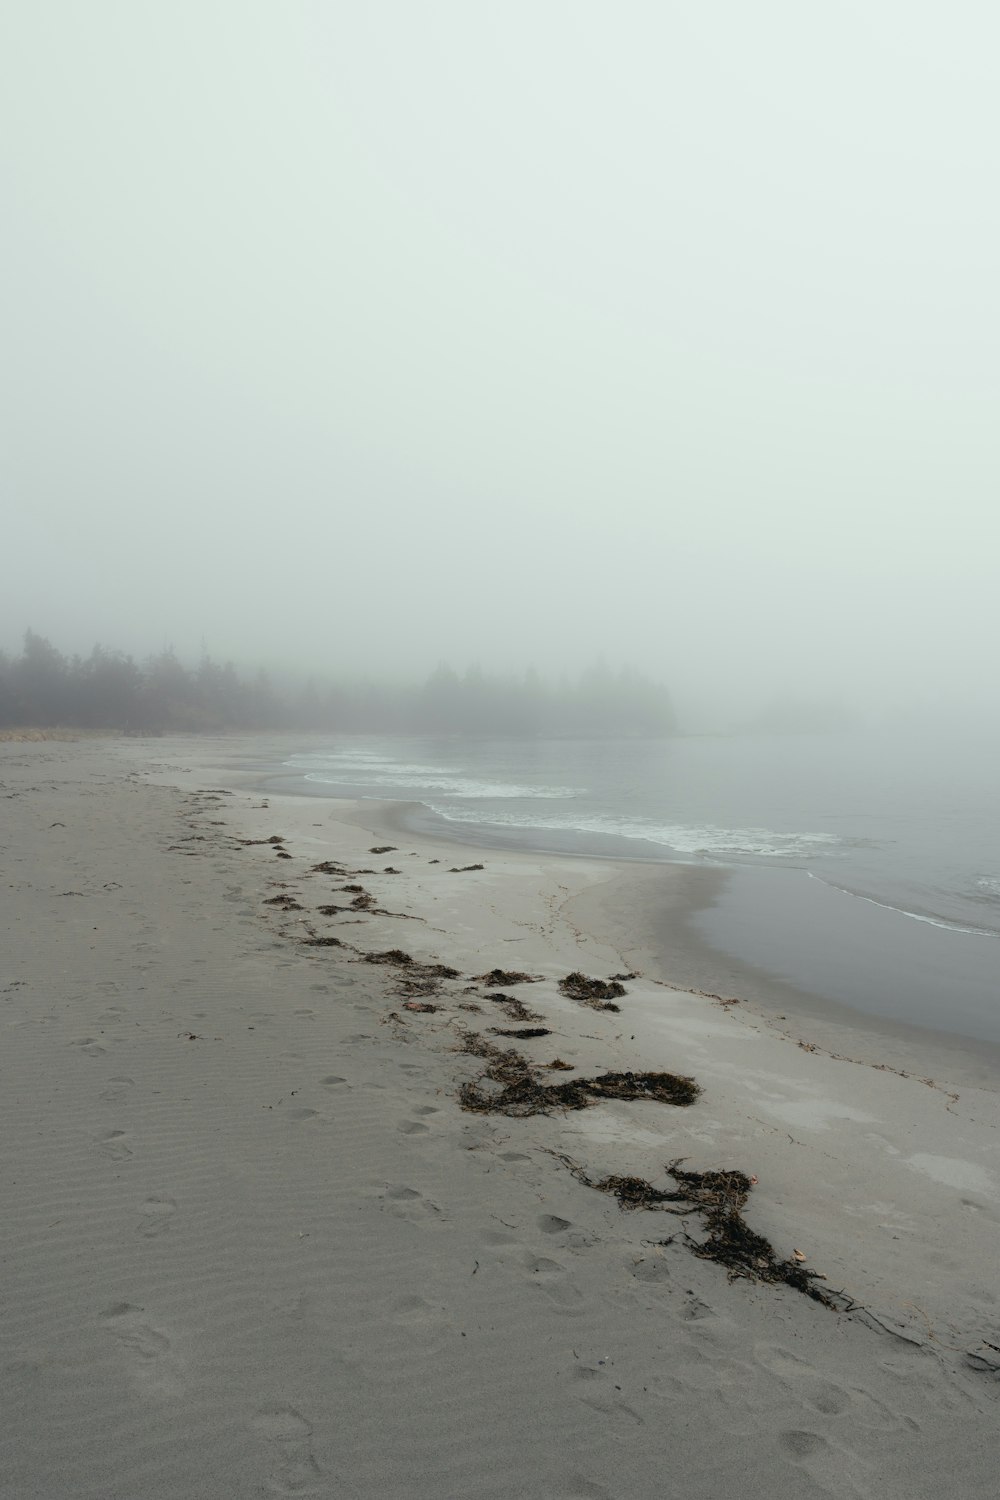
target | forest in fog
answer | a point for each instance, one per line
(109, 690)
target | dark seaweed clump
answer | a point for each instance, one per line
(462, 869)
(523, 1033)
(498, 977)
(383, 849)
(515, 1009)
(287, 903)
(597, 993)
(718, 1198)
(414, 978)
(520, 1092)
(668, 1088)
(398, 959)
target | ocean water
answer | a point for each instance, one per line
(893, 839)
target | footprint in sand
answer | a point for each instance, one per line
(821, 1394)
(414, 1310)
(288, 1438)
(412, 1127)
(155, 1216)
(407, 1203)
(126, 1323)
(332, 1080)
(117, 1090)
(651, 1269)
(90, 1045)
(800, 1445)
(550, 1276)
(571, 1237)
(113, 1144)
(602, 1397)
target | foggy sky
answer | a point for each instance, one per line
(362, 335)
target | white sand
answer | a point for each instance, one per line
(252, 1245)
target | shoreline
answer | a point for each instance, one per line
(686, 957)
(253, 1231)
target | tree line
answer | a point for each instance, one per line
(110, 690)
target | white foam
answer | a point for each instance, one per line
(431, 779)
(902, 911)
(705, 839)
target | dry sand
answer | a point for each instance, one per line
(252, 1245)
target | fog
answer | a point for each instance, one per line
(356, 337)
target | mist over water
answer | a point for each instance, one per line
(883, 852)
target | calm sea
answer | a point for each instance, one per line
(888, 846)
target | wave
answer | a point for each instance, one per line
(902, 911)
(706, 840)
(369, 768)
(429, 779)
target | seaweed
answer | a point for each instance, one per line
(462, 869)
(328, 867)
(415, 978)
(323, 942)
(668, 1088)
(331, 911)
(597, 993)
(516, 1009)
(520, 1093)
(523, 1033)
(498, 977)
(718, 1198)
(394, 956)
(420, 1005)
(383, 849)
(287, 903)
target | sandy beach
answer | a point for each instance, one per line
(254, 1244)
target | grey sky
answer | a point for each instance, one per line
(373, 333)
